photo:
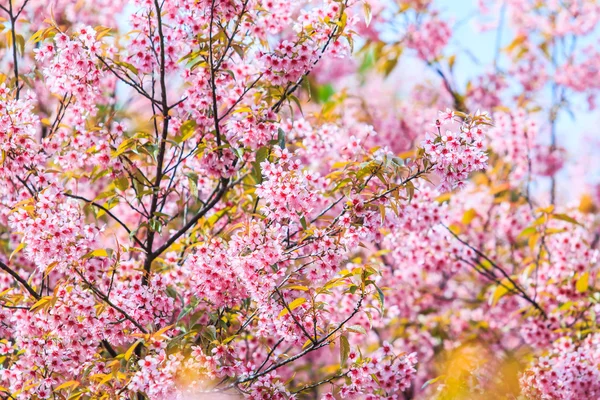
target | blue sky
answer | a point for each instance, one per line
(573, 132)
(468, 38)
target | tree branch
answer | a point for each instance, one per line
(522, 293)
(110, 214)
(19, 279)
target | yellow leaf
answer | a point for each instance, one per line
(566, 306)
(469, 215)
(566, 218)
(242, 110)
(37, 36)
(528, 231)
(71, 384)
(292, 306)
(367, 10)
(529, 270)
(532, 241)
(583, 282)
(20, 247)
(163, 330)
(586, 205)
(97, 377)
(107, 378)
(130, 351)
(41, 303)
(122, 183)
(339, 165)
(98, 253)
(432, 381)
(454, 229)
(123, 147)
(307, 343)
(547, 210)
(500, 188)
(451, 61)
(515, 43)
(502, 289)
(298, 287)
(443, 198)
(49, 268)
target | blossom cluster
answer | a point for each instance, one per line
(204, 198)
(459, 151)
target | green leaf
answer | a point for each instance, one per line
(128, 66)
(186, 310)
(303, 222)
(566, 218)
(324, 93)
(281, 138)
(380, 297)
(297, 101)
(155, 225)
(193, 183)
(357, 329)
(187, 130)
(261, 155)
(432, 381)
(528, 231)
(210, 332)
(368, 61)
(122, 183)
(344, 350)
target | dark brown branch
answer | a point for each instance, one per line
(162, 145)
(105, 298)
(19, 279)
(277, 106)
(269, 355)
(233, 35)
(209, 205)
(522, 293)
(13, 34)
(287, 307)
(138, 88)
(110, 214)
(109, 348)
(319, 344)
(213, 87)
(317, 384)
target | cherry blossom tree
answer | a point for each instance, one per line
(216, 199)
